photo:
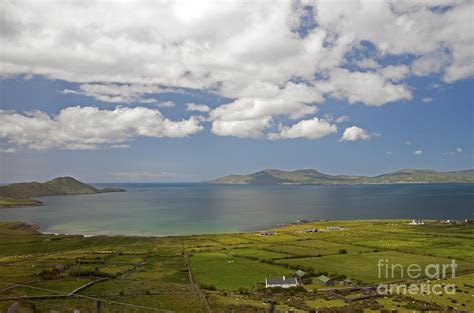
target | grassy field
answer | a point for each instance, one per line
(229, 272)
(226, 273)
(363, 266)
(11, 202)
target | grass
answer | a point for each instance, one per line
(464, 296)
(160, 279)
(228, 272)
(257, 253)
(363, 266)
(322, 303)
(6, 202)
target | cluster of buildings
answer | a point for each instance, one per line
(449, 221)
(305, 231)
(416, 222)
(299, 275)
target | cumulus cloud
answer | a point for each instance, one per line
(367, 63)
(118, 93)
(456, 151)
(255, 112)
(255, 55)
(248, 128)
(394, 73)
(418, 152)
(166, 104)
(427, 99)
(342, 119)
(354, 133)
(430, 63)
(310, 129)
(83, 128)
(353, 87)
(196, 107)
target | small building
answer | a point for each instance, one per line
(335, 228)
(416, 222)
(301, 274)
(283, 282)
(326, 281)
(267, 233)
(59, 268)
(301, 221)
(310, 230)
(345, 282)
(451, 221)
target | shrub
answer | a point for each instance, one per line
(208, 287)
(243, 291)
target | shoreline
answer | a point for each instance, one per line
(275, 227)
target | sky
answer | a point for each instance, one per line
(177, 91)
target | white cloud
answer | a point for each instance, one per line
(354, 133)
(367, 63)
(249, 116)
(427, 99)
(192, 107)
(406, 27)
(389, 153)
(456, 151)
(430, 63)
(8, 150)
(310, 129)
(246, 52)
(248, 128)
(394, 73)
(418, 152)
(118, 93)
(353, 87)
(82, 128)
(166, 104)
(342, 119)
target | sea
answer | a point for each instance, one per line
(161, 209)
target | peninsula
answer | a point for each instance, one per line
(313, 177)
(20, 194)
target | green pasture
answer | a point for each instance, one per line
(363, 266)
(228, 272)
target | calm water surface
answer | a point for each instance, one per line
(166, 209)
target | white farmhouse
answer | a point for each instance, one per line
(283, 282)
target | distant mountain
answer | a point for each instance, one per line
(313, 177)
(19, 194)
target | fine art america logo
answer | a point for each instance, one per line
(415, 272)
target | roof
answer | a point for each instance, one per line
(324, 278)
(300, 273)
(282, 281)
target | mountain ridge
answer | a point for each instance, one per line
(314, 177)
(20, 194)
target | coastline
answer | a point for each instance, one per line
(276, 227)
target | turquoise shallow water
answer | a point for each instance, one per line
(172, 209)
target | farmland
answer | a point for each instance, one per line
(226, 272)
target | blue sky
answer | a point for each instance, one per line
(106, 101)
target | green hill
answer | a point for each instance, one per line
(313, 177)
(19, 194)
